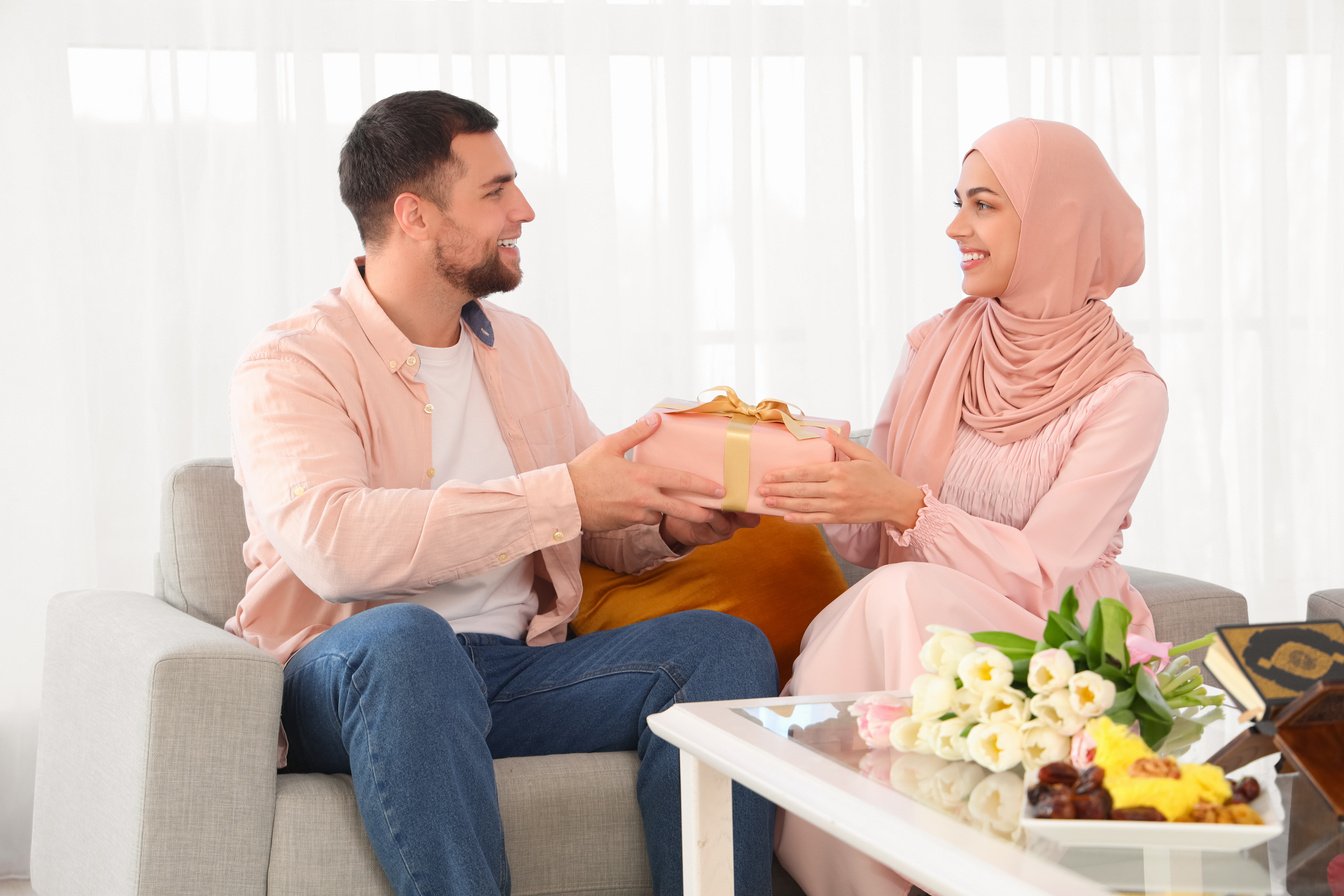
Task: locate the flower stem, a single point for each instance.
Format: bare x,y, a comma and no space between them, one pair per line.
1191,645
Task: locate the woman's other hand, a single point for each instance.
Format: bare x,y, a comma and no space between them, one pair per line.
857,488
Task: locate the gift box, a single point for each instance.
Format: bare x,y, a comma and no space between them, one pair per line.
734,444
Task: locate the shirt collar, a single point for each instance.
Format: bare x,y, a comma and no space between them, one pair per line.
389,341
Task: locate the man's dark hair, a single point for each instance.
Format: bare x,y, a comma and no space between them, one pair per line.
398,145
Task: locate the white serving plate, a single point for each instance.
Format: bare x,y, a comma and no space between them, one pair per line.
1172,835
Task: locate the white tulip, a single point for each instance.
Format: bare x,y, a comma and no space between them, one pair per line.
941,653
909,769
1042,744
997,801
904,734
985,669
1090,695
1057,712
966,704
948,743
1049,670
995,745
954,782
1008,705
931,696
926,741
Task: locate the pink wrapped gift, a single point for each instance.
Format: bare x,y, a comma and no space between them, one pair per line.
735,444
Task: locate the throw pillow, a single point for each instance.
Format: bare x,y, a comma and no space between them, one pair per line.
777,576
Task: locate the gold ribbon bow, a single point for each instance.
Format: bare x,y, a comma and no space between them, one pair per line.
737,441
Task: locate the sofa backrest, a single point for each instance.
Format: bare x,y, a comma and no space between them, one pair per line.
201,533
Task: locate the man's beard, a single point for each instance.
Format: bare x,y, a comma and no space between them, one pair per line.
488,277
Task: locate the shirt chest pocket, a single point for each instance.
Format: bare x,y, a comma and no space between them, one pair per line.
550,434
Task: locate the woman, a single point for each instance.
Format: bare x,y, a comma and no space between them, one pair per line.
1008,451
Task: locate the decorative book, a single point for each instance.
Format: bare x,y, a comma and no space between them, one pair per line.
1289,677
1265,667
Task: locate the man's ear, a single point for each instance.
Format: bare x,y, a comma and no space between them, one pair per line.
409,211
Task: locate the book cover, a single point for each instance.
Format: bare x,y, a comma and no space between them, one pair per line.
1281,660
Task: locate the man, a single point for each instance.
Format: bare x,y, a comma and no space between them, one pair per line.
420,482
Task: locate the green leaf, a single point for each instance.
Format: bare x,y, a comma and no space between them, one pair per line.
1060,629
1105,637
1121,717
1114,674
1155,716
1068,607
1123,699
1006,641
1153,728
1076,651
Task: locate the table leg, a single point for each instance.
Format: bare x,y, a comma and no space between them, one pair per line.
1166,871
706,829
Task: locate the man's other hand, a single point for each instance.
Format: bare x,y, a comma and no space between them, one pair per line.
680,533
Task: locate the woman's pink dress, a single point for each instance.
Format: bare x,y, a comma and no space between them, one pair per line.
1012,527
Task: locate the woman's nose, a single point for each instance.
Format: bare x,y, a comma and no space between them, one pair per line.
956,228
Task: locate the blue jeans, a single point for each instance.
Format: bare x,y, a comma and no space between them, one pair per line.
415,714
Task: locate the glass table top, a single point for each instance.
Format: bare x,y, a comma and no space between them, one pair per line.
1296,863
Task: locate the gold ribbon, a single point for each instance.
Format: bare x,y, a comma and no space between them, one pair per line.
737,441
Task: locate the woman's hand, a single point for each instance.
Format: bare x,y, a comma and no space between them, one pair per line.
857,488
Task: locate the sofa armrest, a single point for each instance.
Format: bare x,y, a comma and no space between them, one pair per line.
1325,605
156,752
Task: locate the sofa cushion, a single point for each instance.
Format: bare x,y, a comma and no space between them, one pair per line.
571,825
201,535
777,576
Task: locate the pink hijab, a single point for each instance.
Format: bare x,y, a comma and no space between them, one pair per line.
1008,374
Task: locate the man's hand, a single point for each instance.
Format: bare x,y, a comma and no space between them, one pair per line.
721,526
614,493
858,488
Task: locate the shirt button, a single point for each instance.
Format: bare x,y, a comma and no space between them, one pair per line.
429,474
412,360
297,491
558,535
391,365
502,558
429,409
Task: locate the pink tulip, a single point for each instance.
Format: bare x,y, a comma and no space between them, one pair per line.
875,713
1142,649
1082,749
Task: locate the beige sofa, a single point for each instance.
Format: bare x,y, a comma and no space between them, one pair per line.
156,749
1328,604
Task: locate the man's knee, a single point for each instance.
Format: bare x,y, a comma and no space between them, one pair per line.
407,640
733,650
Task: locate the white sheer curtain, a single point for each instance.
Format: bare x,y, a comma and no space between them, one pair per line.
749,192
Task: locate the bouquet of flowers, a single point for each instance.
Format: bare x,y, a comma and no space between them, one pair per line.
1002,700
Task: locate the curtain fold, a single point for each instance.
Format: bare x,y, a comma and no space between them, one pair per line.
750,192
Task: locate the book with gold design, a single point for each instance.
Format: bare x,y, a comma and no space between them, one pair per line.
1264,667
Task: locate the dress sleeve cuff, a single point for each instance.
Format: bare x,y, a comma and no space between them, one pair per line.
931,521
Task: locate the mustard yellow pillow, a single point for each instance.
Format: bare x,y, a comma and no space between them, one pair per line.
777,576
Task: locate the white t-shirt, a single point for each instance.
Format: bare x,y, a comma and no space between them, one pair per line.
467,447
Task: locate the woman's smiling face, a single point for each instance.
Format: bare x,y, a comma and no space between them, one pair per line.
986,230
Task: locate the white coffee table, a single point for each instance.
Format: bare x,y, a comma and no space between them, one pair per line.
803,754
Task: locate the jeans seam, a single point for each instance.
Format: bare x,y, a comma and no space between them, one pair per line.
397,839
668,669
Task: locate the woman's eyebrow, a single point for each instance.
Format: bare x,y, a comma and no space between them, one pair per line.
972,191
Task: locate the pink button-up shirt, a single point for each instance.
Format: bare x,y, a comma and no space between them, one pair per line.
331,445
